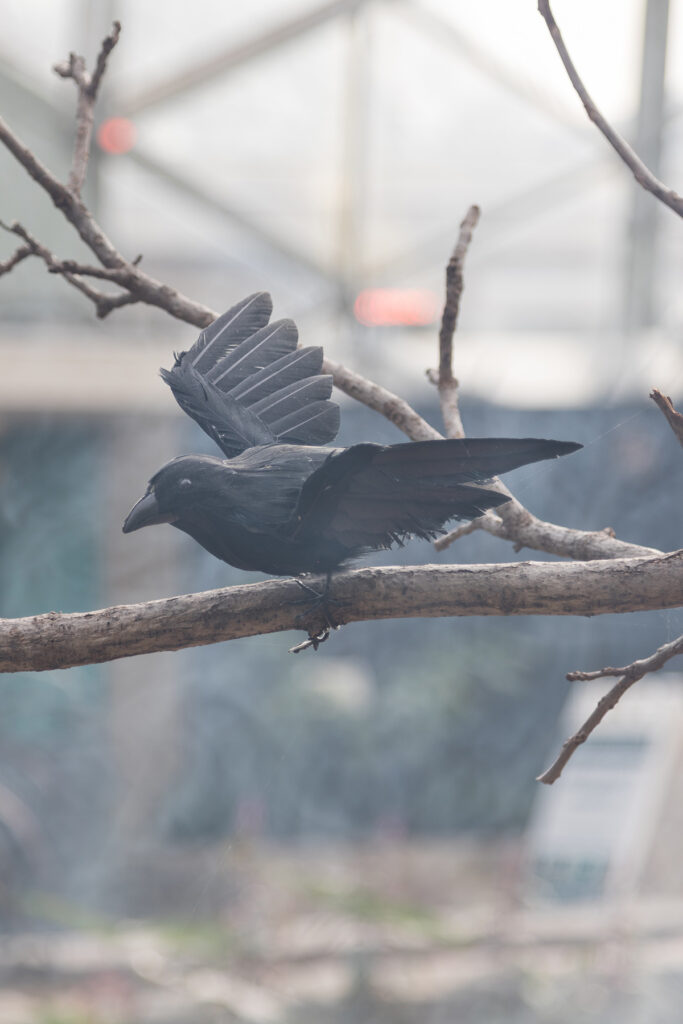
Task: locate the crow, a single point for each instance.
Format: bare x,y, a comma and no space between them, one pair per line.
283,502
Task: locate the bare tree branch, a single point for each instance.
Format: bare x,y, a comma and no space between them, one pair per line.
523,588
108,44
103,302
88,87
455,282
674,418
515,523
641,172
143,287
511,521
383,401
630,674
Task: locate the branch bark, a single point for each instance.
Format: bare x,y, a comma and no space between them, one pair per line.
57,640
640,171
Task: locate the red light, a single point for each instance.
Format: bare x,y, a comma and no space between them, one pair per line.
116,135
394,307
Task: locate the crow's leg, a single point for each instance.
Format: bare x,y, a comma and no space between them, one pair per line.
320,601
317,602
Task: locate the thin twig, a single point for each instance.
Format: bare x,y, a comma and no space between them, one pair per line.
455,281
21,253
115,274
108,44
641,172
630,674
674,418
88,87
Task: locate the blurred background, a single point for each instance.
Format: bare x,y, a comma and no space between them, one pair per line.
232,834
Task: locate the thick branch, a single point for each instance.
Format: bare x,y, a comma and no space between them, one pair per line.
630,674
641,172
674,418
525,588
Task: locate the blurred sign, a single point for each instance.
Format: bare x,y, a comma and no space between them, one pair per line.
396,307
592,831
116,135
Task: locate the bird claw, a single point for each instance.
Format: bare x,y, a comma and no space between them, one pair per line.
314,640
323,602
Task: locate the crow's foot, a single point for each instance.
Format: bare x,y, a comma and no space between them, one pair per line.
314,641
320,603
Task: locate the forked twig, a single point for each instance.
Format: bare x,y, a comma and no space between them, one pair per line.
88,86
103,302
629,675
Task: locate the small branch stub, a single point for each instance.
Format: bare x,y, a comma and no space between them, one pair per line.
673,417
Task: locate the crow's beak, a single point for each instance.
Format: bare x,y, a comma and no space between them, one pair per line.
145,513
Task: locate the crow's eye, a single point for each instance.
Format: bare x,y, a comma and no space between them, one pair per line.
185,482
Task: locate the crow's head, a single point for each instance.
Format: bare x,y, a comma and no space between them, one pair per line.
179,487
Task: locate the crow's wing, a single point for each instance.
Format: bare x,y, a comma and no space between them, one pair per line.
246,383
370,496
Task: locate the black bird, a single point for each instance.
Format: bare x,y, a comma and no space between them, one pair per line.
283,504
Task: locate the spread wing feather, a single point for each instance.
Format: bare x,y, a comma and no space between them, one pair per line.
260,349
302,363
370,496
227,331
232,426
315,423
246,384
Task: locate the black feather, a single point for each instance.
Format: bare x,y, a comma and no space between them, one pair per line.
229,330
